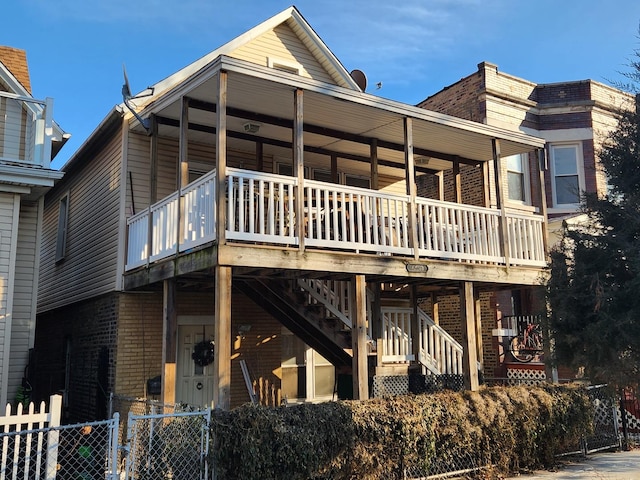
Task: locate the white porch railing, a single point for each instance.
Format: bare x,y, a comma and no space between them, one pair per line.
261,209
397,346
439,352
26,129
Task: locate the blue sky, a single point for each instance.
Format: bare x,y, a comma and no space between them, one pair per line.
76,48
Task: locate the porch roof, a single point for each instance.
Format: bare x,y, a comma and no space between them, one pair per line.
336,119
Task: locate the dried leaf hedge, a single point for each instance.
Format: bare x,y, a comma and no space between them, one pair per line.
510,428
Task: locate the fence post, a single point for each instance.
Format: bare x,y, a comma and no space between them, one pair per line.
55,409
113,444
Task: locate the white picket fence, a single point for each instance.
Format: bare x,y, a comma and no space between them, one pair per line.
19,453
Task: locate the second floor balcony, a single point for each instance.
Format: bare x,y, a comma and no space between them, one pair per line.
271,209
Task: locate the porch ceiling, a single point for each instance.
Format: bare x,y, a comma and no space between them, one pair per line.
256,92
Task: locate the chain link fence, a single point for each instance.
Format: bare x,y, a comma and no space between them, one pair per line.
68,452
172,446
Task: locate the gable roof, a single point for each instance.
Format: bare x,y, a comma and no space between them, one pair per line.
294,19
15,61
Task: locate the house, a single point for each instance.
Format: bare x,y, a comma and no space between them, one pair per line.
574,118
29,140
250,229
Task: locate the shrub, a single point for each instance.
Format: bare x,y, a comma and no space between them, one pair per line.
509,428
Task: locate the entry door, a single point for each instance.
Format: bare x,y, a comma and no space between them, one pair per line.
194,383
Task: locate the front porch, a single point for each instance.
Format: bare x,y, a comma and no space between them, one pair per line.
261,209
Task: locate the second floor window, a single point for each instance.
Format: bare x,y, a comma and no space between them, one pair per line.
565,175
517,181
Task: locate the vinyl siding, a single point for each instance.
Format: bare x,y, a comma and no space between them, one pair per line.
283,44
7,220
92,231
24,295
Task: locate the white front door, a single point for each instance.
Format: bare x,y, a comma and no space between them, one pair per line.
194,383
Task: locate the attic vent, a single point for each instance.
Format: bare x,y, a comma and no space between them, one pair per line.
284,65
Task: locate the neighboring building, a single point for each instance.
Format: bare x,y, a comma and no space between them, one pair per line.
29,139
260,197
574,118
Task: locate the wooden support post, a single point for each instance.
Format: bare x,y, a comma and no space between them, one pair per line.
542,166
260,156
298,162
222,339
435,308
478,317
169,341
504,232
410,178
373,153
469,357
221,158
153,156
457,183
359,340
415,322
376,312
335,177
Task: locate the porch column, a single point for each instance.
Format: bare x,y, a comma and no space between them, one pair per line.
457,183
183,167
415,323
373,153
542,166
504,234
298,162
221,158
478,318
469,356
360,366
222,339
410,178
169,335
153,154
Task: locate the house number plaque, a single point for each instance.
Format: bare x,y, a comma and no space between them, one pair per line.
416,268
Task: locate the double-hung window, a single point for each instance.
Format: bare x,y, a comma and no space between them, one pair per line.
566,177
517,178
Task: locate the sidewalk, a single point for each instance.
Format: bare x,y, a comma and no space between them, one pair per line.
601,466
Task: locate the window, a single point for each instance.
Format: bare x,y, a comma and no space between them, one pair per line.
61,240
566,181
517,178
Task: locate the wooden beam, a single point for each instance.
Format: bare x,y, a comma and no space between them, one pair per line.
288,145
325,131
410,179
221,158
169,336
504,233
457,184
222,339
359,339
373,153
298,161
469,356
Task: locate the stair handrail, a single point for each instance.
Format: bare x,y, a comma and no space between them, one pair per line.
439,352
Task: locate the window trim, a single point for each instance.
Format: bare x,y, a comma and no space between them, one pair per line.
62,231
565,207
526,179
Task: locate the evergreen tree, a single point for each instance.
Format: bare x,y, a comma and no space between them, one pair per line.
594,289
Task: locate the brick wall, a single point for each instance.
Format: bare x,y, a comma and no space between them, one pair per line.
89,329
462,99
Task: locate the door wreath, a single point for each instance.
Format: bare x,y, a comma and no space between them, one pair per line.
203,353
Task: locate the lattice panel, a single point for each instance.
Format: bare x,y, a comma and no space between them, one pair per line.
388,385
523,376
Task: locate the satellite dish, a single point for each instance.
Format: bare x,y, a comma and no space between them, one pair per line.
126,88
360,78
126,96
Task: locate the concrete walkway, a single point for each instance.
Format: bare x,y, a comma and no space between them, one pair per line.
601,466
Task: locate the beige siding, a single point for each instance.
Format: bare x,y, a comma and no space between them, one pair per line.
24,296
6,235
282,44
92,233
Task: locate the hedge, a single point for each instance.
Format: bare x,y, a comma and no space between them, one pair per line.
509,428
